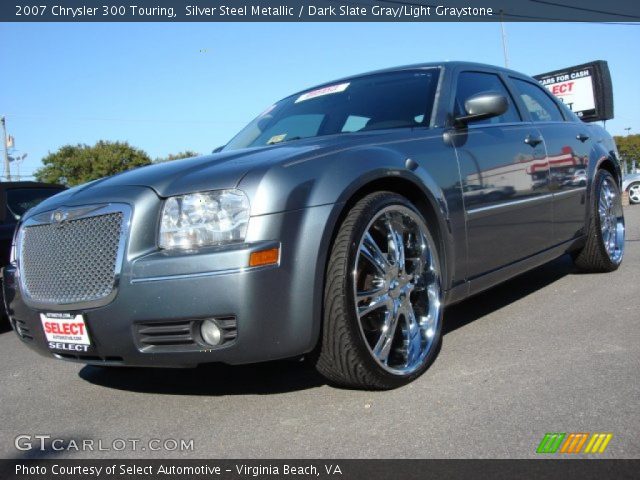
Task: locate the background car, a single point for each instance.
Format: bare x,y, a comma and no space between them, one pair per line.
579,178
15,199
631,184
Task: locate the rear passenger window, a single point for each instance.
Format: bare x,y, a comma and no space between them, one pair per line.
540,106
472,83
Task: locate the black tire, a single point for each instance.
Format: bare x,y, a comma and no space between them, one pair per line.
631,200
343,357
594,256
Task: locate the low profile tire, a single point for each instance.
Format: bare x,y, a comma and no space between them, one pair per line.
634,193
604,248
383,297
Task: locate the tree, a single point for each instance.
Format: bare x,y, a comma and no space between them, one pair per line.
75,164
177,156
629,149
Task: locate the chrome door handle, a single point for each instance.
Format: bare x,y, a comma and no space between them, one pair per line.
533,141
582,137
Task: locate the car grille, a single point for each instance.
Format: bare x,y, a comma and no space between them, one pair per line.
71,262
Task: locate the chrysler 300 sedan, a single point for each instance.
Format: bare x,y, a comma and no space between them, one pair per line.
337,225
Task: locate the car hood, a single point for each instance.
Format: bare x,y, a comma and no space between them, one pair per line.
219,170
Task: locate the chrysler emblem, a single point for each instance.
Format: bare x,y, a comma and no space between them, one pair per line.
59,216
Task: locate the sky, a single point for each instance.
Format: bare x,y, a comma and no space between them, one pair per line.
169,87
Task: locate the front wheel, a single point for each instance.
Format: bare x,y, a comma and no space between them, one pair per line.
383,296
604,248
634,193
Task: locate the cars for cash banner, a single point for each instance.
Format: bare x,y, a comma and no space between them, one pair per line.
586,89
317,11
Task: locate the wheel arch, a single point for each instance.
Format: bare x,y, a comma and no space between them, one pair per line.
430,204
610,166
600,159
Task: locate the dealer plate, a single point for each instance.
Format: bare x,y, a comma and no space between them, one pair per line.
65,331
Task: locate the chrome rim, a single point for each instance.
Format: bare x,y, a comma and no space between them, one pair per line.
611,220
634,193
397,290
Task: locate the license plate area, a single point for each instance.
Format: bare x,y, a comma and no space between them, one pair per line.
66,332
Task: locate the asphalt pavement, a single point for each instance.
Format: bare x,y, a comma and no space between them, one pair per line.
553,350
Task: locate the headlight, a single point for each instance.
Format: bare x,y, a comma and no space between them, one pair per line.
207,218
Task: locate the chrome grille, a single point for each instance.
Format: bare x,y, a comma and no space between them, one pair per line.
73,261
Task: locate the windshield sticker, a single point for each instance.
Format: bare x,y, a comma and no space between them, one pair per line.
322,91
276,139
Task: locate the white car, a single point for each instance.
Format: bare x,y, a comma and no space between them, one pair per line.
631,184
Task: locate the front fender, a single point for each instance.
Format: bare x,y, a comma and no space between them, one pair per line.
336,178
319,180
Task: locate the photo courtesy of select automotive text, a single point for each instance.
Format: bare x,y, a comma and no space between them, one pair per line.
335,239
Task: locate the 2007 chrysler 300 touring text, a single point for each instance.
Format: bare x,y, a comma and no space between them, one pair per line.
338,224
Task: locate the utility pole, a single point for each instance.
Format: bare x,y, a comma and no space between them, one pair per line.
504,41
7,168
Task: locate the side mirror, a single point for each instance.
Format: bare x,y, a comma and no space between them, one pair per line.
218,149
483,105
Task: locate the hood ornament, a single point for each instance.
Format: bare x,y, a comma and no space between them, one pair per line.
59,216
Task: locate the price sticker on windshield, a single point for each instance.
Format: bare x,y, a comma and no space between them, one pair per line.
322,91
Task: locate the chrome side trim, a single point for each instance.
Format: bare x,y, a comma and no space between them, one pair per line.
480,211
76,213
573,191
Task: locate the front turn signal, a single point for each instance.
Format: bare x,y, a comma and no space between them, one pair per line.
264,257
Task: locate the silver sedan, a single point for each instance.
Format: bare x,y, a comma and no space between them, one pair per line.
631,184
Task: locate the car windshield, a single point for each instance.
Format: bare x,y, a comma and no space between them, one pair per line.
19,200
374,102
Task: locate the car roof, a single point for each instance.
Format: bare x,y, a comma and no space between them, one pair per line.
415,66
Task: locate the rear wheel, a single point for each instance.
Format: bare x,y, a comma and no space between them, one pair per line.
383,298
604,249
634,193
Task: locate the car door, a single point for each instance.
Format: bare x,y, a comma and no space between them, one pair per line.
568,147
504,179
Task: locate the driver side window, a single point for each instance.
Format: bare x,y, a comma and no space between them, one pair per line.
472,83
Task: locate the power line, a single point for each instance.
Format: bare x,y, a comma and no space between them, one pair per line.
584,9
512,15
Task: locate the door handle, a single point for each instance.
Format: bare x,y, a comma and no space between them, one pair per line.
582,137
533,141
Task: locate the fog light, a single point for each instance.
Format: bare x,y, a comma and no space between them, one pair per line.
211,332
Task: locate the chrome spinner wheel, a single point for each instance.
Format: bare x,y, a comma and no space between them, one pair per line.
611,220
397,289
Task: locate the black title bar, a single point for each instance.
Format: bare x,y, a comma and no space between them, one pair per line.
319,11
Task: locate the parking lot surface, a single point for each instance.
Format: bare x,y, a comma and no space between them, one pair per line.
553,350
